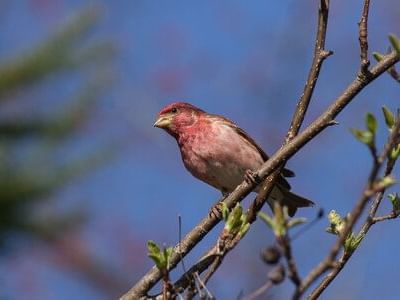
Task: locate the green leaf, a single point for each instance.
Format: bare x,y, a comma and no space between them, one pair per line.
236,212
243,230
156,255
387,181
225,211
296,222
168,252
234,220
153,248
363,136
389,117
157,260
278,223
394,198
267,219
352,242
394,154
377,56
395,43
167,255
371,123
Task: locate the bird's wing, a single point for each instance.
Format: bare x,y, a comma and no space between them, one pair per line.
285,172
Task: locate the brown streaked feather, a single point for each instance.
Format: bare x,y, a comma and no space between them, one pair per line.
285,172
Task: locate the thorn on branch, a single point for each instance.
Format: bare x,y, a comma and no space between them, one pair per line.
333,123
325,53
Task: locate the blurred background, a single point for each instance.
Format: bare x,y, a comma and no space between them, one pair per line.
85,179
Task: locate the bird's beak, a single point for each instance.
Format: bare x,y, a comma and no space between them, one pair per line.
163,122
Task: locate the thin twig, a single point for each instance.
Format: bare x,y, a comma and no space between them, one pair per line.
258,292
179,243
390,216
166,289
199,267
293,274
392,70
215,265
203,286
363,38
329,262
211,260
395,75
320,54
226,242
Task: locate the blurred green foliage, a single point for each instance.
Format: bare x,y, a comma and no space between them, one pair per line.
30,169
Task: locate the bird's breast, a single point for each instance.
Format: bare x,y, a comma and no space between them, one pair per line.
218,156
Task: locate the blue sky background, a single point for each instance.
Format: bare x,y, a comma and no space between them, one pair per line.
247,61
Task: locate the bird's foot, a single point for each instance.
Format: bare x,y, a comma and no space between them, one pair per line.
251,177
216,210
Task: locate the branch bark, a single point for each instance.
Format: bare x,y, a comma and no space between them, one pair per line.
363,38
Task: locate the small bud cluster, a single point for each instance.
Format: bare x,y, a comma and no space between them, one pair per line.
160,257
337,226
235,221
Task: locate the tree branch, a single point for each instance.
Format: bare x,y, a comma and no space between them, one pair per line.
329,262
390,216
395,75
270,171
363,38
320,54
258,292
196,234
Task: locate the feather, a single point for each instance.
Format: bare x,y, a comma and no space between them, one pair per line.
285,172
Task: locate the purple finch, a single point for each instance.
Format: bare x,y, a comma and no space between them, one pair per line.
218,152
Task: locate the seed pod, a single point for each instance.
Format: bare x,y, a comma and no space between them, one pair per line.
277,274
271,255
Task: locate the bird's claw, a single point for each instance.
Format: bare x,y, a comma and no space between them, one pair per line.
216,210
251,177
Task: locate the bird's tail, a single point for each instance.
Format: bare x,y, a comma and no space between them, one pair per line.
289,199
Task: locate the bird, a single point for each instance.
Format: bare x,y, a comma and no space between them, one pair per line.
218,152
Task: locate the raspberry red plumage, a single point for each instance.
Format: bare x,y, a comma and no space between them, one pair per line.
218,152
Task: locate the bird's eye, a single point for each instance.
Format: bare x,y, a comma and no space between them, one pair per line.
174,110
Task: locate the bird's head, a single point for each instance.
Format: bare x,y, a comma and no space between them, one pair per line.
175,117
